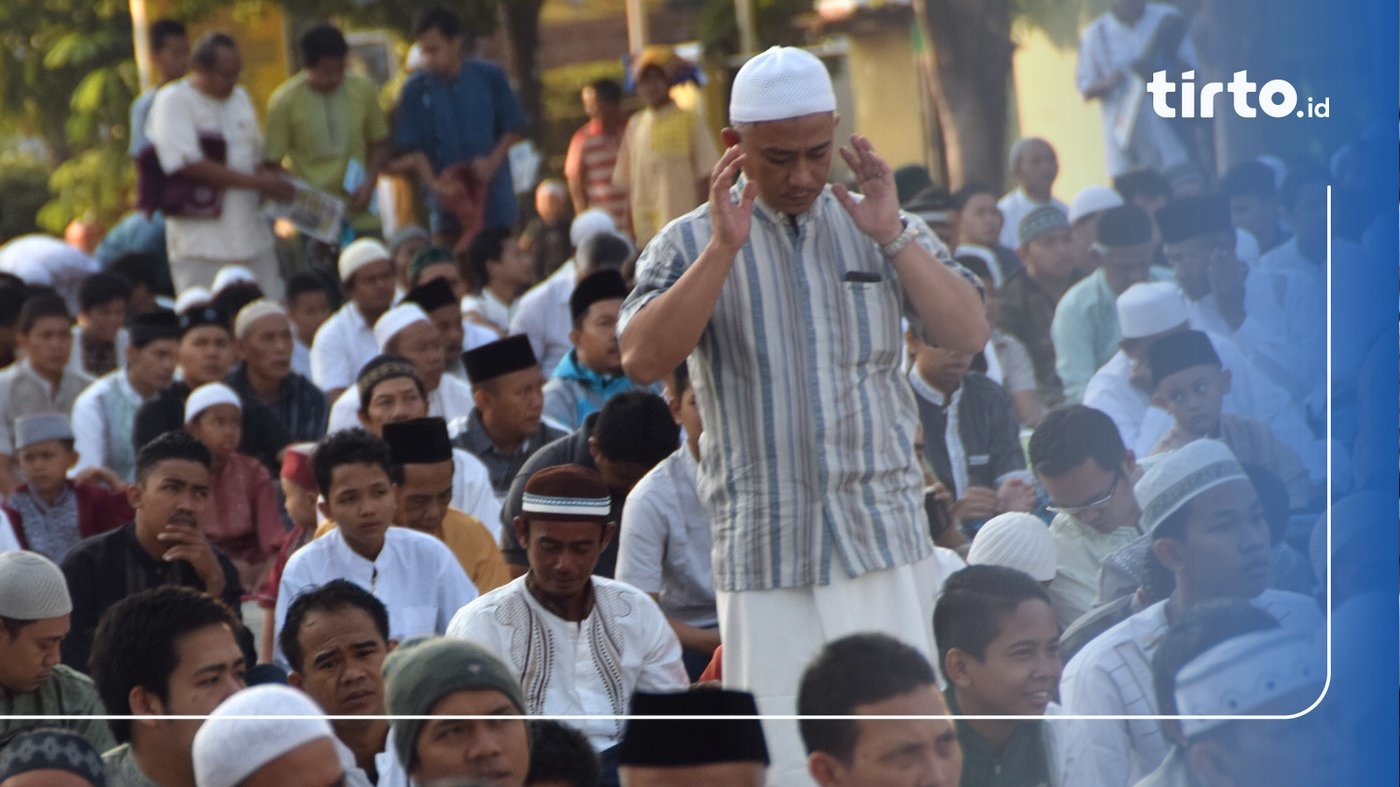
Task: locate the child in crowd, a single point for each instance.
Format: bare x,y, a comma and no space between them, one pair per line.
50,513
243,520
299,494
99,340
1189,382
308,305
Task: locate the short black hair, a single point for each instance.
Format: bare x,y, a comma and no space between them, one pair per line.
850,672
320,42
603,251
965,194
135,644
488,246
439,19
335,595
234,297
39,306
162,30
607,90
1069,435
100,289
636,426
174,444
560,753
350,447
1300,176
302,283
12,299
975,265
973,604
138,268
680,380
1199,629
13,626
1142,183
1273,498
205,54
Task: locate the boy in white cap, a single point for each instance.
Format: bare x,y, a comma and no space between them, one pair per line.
243,519
34,619
1208,529
267,752
1034,166
264,342
346,340
809,547
1018,541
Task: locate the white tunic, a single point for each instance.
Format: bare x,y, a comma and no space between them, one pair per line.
1112,675
1014,207
543,315
624,646
301,358
344,343
90,419
415,575
386,763
8,541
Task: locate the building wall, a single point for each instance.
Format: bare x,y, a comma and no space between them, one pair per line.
1049,105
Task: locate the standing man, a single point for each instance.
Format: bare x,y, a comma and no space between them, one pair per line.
593,152
458,110
204,130
325,122
812,540
170,52
1034,165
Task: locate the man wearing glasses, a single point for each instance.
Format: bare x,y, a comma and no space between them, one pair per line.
1080,459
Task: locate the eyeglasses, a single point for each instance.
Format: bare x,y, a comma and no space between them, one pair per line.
1093,505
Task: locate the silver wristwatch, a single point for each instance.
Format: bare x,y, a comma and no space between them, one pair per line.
909,234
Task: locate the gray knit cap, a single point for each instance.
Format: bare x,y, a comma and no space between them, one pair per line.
1038,222
32,587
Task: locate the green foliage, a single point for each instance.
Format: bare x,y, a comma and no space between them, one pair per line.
1060,20
773,25
24,180
478,16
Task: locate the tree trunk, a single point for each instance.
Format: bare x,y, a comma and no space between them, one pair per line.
521,20
970,65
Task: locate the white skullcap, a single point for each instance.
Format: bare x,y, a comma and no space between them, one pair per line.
32,587
589,223
230,275
1018,541
784,82
986,255
359,254
395,320
253,312
229,750
1091,200
189,299
1180,476
208,395
1243,674
1150,308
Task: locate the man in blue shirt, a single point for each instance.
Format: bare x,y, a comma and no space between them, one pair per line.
457,110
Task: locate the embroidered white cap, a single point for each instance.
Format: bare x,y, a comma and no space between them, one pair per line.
1243,674
358,254
1091,200
1150,308
395,320
1180,476
784,82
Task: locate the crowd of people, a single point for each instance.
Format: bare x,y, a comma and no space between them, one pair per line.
706,437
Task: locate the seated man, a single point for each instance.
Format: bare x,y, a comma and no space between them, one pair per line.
591,371
421,449
412,573
346,341
264,341
876,675
448,677
1029,297
266,752
164,545
34,610
998,643
1209,531
164,651
586,643
438,301
502,271
729,752
335,640
308,306
665,538
505,428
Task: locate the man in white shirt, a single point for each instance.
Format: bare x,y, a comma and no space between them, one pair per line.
1209,530
1034,166
345,342
190,120
413,574
580,644
502,269
104,413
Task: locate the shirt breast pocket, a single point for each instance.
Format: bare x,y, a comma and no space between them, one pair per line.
870,313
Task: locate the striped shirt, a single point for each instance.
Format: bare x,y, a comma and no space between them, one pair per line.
591,159
807,455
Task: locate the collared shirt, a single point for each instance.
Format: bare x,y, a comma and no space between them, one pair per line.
469,433
1085,329
50,529
65,692
123,770
460,118
1014,370
416,577
590,161
106,568
9,542
981,441
1014,206
1173,772
344,343
491,308
1253,444
543,316
1026,313
243,520
593,666
807,455
665,153
471,543
1022,760
1079,550
665,542
387,768
24,392
103,417
1112,676
299,404
452,397
575,391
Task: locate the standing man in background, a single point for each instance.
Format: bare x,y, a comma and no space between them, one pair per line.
170,53
593,153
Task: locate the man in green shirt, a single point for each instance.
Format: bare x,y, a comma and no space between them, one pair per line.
323,122
999,644
34,609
